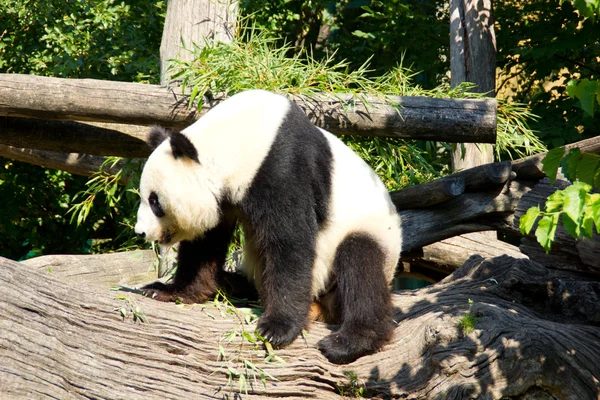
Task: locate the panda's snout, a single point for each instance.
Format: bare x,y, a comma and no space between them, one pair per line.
139,231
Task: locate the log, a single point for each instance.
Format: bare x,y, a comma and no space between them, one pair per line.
449,254
102,270
441,190
77,164
471,212
65,339
74,137
450,120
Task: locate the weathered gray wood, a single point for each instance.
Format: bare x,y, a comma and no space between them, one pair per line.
194,21
566,252
471,212
451,120
63,339
77,164
74,137
105,270
453,252
472,59
474,179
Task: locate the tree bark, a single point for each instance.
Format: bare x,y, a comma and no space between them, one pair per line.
191,22
68,339
29,96
472,59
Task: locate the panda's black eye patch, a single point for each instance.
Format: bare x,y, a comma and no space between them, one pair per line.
155,205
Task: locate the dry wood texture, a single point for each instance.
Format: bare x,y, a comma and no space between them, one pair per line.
29,96
192,22
472,59
67,339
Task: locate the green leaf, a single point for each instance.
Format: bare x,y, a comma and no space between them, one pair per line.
555,202
593,204
586,168
587,225
551,162
528,220
586,92
574,199
546,231
569,164
571,227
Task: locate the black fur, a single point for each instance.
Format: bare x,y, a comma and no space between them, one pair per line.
157,135
199,266
155,205
282,212
363,300
182,147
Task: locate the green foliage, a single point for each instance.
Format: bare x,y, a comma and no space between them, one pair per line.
359,30
111,192
587,8
82,39
415,31
575,206
238,369
101,39
33,211
353,388
542,45
468,321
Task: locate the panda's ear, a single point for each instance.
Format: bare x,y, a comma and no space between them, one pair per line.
182,147
157,135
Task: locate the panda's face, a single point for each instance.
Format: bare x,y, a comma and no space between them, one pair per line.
178,197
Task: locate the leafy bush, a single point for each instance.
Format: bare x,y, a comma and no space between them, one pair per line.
542,45
82,39
76,39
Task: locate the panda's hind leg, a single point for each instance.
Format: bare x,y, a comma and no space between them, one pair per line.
364,300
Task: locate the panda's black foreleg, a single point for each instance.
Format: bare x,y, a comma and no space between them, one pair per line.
286,289
364,297
199,265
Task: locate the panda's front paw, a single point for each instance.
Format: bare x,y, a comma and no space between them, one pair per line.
279,331
158,291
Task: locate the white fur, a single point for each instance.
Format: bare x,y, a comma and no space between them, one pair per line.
360,203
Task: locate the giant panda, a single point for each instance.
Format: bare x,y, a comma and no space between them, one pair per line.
319,225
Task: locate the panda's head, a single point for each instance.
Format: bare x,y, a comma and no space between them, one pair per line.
179,197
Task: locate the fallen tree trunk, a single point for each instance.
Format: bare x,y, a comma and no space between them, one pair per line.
436,261
450,120
64,338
